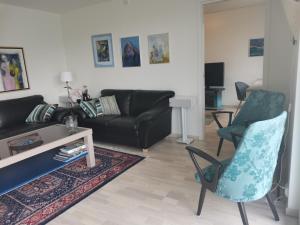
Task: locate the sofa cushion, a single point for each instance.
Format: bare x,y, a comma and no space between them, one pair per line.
99,123
122,126
89,108
143,100
41,113
109,105
15,111
23,128
123,98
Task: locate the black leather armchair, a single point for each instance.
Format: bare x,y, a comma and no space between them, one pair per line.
145,118
13,113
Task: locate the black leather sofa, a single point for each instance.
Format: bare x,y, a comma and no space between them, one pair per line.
145,118
14,112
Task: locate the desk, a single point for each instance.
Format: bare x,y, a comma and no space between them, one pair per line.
184,103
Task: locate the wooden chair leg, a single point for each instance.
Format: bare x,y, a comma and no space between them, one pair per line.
220,146
272,207
238,108
201,200
277,175
243,213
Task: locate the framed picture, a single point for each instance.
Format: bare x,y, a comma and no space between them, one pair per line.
158,47
13,69
256,47
103,50
131,51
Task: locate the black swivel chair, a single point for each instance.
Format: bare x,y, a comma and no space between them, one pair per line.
241,89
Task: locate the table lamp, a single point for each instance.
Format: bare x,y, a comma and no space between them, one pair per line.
67,77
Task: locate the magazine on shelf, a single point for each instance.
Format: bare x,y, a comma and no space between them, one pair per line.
70,152
75,147
68,159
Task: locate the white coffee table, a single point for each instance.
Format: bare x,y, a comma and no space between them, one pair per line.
52,137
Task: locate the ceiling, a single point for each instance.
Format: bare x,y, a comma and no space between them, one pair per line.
212,6
53,6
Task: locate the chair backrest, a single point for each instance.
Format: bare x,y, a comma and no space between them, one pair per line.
260,105
249,176
241,89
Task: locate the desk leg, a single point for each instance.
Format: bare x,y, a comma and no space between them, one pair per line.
90,158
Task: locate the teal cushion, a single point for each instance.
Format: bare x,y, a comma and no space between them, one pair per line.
89,108
41,113
99,109
209,172
226,131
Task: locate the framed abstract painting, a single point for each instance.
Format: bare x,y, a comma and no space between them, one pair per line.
256,47
158,45
130,47
13,69
103,50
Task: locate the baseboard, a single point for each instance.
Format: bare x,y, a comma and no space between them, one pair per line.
174,135
292,212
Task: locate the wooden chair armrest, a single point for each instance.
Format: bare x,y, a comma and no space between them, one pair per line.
219,167
214,114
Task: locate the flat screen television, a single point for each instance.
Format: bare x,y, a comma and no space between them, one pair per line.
214,74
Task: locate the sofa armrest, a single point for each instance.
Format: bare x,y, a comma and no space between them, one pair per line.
153,125
149,115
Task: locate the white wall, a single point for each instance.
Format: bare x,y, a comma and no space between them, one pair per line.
278,50
280,74
294,178
182,19
292,11
227,35
40,35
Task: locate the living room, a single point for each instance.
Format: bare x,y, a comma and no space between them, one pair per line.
158,186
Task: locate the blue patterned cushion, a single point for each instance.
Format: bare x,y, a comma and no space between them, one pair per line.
41,113
249,175
209,172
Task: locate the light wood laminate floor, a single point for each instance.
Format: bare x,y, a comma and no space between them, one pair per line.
161,190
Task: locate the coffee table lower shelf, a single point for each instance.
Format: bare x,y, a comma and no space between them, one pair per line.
26,171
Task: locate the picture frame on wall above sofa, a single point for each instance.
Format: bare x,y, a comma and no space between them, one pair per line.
103,50
130,47
158,47
256,47
13,70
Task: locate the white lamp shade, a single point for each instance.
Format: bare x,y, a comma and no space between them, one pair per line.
66,77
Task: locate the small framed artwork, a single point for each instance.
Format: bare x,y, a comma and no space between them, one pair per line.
131,51
13,69
158,47
103,50
256,47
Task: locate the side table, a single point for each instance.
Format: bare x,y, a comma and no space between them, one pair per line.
184,103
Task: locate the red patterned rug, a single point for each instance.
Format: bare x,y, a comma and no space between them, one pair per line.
45,198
